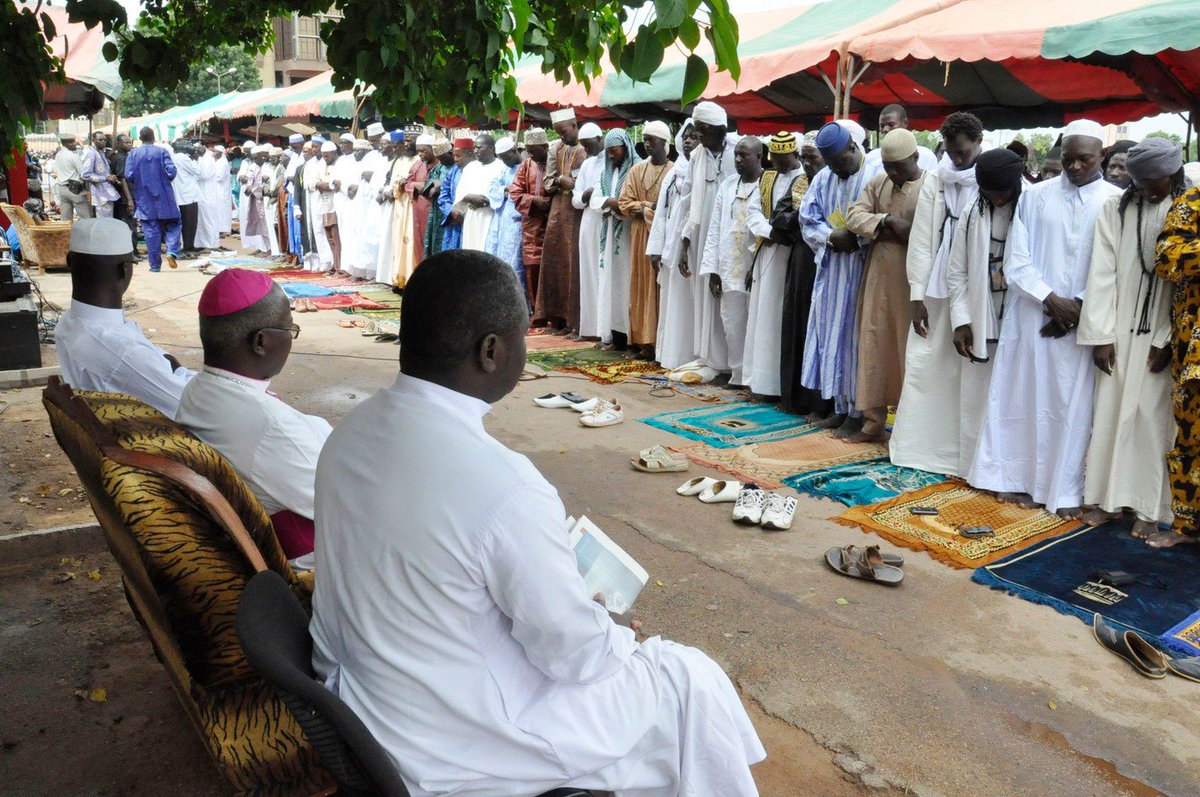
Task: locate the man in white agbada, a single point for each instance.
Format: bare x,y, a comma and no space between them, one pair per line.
590,326
975,281
455,623
676,300
1127,318
764,319
711,164
471,193
225,180
1039,413
98,348
729,248
389,203
928,425
375,164
890,118
351,203
208,218
251,243
315,172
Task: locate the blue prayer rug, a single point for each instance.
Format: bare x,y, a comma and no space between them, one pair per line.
1061,572
732,425
861,483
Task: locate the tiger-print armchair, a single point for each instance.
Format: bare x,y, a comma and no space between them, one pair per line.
188,535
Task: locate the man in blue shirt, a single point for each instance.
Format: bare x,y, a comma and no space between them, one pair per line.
150,170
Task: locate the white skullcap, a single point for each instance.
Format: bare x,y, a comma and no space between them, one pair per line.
590,130
248,145
328,146
710,113
425,140
295,138
857,133
346,138
261,149
562,115
657,130
101,237
1085,127
897,145
375,129
362,143
220,148
504,145
276,151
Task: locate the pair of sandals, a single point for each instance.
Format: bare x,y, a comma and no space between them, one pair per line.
1141,655
657,459
306,306
710,490
869,564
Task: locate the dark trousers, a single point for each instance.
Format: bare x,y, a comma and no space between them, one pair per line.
190,215
122,212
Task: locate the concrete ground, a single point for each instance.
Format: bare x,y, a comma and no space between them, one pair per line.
938,687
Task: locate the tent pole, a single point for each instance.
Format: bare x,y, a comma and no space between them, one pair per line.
116,116
851,81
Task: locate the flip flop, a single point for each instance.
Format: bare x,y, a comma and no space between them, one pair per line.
658,460
868,565
893,559
1141,655
1185,668
696,486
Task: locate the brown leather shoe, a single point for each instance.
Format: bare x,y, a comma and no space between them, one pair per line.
1144,657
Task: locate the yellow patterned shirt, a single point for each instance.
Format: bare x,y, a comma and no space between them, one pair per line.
1179,262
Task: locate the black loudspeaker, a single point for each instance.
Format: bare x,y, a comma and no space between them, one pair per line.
19,334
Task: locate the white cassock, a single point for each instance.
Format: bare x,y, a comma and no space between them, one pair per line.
273,447
98,349
676,298
1039,409
707,171
928,428
249,242
1134,426
350,212
728,253
315,170
764,321
208,216
978,296
590,325
456,625
477,222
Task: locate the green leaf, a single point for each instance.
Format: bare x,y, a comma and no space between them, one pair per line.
689,34
647,54
48,27
671,13
521,14
724,37
110,51
695,79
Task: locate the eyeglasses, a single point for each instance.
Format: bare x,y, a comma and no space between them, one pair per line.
293,330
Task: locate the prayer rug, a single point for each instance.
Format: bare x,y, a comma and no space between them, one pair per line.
341,301
768,464
240,261
862,482
732,425
1163,607
572,359
553,343
958,506
381,295
710,394
621,371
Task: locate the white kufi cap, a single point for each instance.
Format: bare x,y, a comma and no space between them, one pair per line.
504,145
346,138
562,115
295,138
362,143
261,149
329,146
425,140
590,130
375,129
1085,127
101,237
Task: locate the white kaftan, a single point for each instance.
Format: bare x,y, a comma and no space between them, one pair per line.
708,170
728,253
315,170
1039,409
590,315
208,216
676,344
616,265
251,243
1134,427
477,222
455,624
351,215
225,181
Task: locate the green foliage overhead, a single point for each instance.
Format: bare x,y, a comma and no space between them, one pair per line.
452,57
28,65
138,99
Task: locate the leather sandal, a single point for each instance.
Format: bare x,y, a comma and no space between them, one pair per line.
868,565
1141,655
893,559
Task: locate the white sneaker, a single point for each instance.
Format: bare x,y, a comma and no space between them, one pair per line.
605,413
749,506
779,512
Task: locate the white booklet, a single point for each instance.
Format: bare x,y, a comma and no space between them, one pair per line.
606,569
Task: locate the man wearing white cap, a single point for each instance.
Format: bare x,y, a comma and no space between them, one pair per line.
711,164
291,180
349,193
414,186
375,133
225,181
1039,414
586,283
251,242
98,349
390,236
557,300
254,234
639,198
471,194
319,209
208,213
186,186
504,237
272,182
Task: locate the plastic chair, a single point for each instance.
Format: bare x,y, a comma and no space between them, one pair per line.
273,629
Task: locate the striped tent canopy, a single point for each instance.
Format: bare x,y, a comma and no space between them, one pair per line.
177,121
90,78
1014,62
315,96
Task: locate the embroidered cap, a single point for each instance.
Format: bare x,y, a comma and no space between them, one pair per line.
783,143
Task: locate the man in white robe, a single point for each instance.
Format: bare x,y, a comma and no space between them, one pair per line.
676,344
384,207
315,172
250,243
208,219
729,249
454,622
225,181
928,426
350,203
764,320
1039,413
471,193
615,250
272,181
592,141
1126,316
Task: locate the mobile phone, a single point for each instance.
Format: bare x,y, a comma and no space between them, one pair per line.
924,510
976,531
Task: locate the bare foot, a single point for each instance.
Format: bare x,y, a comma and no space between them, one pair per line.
1143,529
1098,516
1169,539
869,434
851,426
1070,512
830,422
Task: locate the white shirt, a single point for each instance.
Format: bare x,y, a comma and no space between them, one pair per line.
187,180
449,613
272,446
98,349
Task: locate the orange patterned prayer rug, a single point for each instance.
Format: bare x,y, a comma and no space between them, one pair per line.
612,373
958,506
768,464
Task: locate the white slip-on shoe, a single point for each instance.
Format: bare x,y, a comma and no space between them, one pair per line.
779,512
749,506
560,400
587,405
696,486
725,492
605,413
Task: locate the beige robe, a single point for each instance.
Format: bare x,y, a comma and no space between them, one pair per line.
639,196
